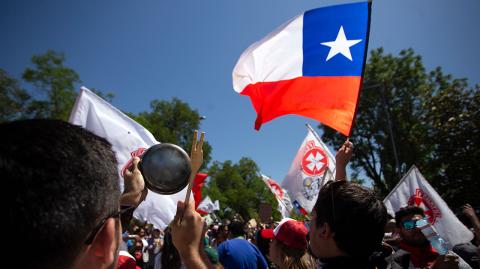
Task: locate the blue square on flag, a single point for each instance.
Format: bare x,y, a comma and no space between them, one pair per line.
334,40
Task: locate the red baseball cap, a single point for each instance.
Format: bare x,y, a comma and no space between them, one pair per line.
290,232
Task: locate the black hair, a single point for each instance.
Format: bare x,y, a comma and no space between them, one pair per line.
263,244
354,214
170,256
64,181
236,228
407,211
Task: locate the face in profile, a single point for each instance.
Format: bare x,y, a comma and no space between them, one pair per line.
410,233
315,244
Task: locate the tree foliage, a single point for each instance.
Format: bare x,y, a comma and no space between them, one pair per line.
13,99
173,122
239,187
57,84
428,118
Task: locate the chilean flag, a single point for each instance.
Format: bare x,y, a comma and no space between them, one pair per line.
300,208
311,66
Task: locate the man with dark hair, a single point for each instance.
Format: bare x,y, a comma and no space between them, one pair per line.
236,229
415,250
237,252
347,222
407,211
66,192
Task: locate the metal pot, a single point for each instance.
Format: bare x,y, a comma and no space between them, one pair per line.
165,168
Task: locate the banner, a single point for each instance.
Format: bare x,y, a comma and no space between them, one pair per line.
312,167
284,203
414,190
206,206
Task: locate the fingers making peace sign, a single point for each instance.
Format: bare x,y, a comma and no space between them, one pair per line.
196,159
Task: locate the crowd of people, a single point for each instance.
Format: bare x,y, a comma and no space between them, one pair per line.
69,207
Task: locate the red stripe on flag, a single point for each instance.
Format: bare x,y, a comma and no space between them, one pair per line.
330,100
303,211
201,212
197,187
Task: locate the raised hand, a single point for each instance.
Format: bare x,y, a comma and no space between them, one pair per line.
188,229
344,154
196,155
134,186
196,159
469,211
448,261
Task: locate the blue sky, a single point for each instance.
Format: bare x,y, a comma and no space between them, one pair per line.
145,50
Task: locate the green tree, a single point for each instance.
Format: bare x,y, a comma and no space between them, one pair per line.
239,187
105,96
427,118
173,122
13,99
453,120
57,84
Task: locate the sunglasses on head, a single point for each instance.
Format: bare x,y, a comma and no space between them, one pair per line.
410,224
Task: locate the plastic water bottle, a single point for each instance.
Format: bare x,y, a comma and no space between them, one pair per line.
431,234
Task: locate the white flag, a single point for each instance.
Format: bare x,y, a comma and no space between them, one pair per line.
128,139
216,205
312,167
284,203
414,190
207,206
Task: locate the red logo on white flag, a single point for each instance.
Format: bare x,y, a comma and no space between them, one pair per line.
275,188
421,199
315,160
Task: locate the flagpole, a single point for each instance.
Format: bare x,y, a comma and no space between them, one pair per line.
390,129
313,131
365,53
318,138
399,182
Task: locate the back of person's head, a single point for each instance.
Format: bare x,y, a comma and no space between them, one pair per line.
289,245
357,218
236,228
170,256
64,182
407,211
263,243
295,258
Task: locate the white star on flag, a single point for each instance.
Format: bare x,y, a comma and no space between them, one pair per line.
315,162
340,45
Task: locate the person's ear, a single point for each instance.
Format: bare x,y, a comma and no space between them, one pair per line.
102,250
324,230
329,233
